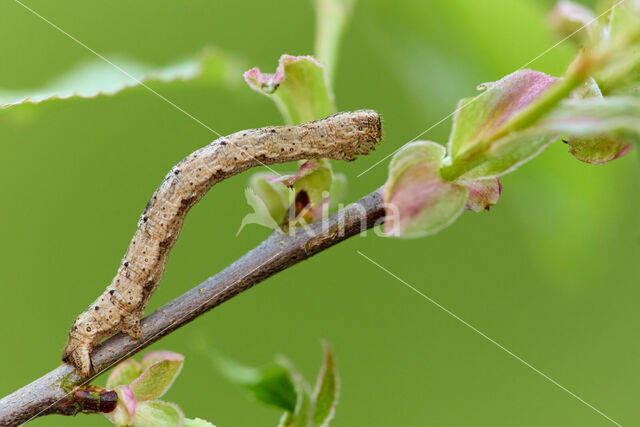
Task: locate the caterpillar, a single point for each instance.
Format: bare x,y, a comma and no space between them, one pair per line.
119,309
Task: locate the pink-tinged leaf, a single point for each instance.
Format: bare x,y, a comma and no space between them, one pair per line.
477,119
128,399
299,87
125,373
569,19
157,378
157,413
158,356
418,202
264,82
483,193
125,409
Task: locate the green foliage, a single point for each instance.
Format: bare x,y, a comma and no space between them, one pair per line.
480,119
125,373
331,19
139,385
516,118
157,378
280,385
269,199
312,187
597,129
272,384
197,422
395,15
420,201
300,88
326,391
100,78
157,413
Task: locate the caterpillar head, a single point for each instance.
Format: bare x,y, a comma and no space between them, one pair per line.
355,132
81,338
77,353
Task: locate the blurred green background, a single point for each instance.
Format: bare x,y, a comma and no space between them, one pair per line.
551,272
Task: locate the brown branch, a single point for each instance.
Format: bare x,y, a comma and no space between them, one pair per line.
53,392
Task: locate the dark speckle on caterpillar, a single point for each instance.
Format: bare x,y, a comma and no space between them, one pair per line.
341,137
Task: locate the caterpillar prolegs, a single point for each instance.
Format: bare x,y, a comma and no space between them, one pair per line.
120,307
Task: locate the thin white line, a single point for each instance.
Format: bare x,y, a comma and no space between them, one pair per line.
483,93
114,65
489,339
138,81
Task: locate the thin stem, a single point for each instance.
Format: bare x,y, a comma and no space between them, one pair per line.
50,394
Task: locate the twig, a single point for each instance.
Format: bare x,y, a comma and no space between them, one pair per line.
52,393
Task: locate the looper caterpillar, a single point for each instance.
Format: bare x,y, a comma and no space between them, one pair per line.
341,137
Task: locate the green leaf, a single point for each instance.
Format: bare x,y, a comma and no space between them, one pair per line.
275,196
269,199
299,87
157,378
331,19
595,116
507,153
338,190
125,373
302,416
301,90
325,395
616,53
197,422
597,129
418,201
157,413
97,77
272,384
311,191
260,214
598,150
